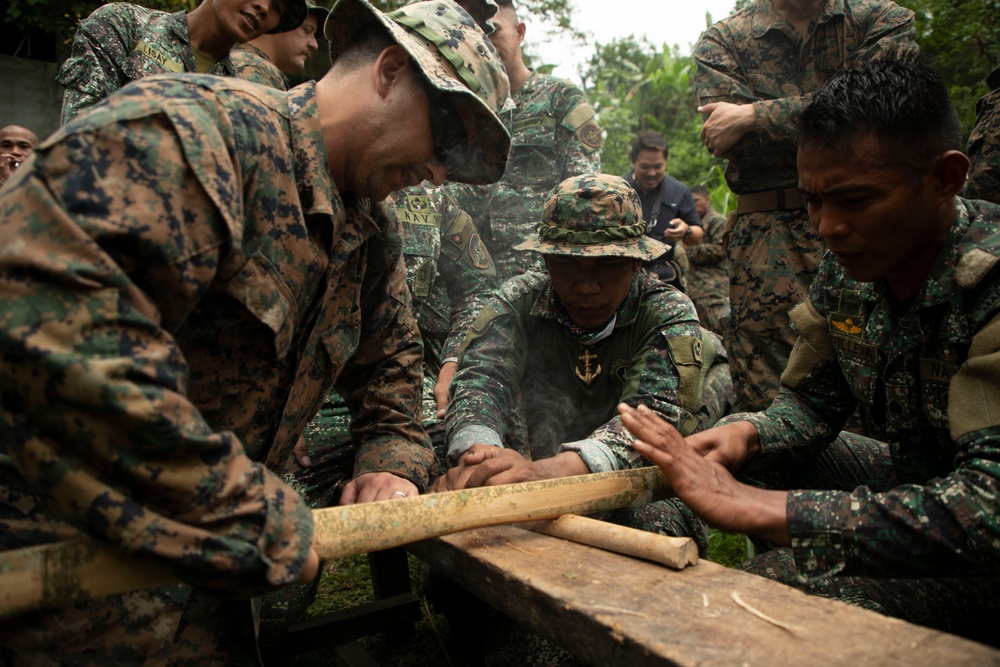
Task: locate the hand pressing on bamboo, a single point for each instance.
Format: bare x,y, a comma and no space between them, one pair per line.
703,482
371,486
488,465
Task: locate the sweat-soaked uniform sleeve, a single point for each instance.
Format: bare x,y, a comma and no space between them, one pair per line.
105,240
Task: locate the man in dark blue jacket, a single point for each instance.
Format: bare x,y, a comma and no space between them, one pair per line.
667,205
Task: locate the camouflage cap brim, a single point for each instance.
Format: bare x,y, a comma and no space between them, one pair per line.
453,53
643,247
293,16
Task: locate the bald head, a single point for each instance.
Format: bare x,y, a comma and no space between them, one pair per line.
17,142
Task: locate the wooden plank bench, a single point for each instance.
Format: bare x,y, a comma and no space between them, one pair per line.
609,609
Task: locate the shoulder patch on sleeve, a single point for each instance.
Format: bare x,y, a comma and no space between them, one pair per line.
688,354
579,116
973,267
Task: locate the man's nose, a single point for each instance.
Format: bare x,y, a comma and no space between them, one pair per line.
585,285
438,172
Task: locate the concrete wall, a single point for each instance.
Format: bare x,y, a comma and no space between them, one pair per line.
31,97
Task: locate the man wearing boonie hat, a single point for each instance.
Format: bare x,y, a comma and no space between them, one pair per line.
565,347
571,344
121,42
268,58
187,268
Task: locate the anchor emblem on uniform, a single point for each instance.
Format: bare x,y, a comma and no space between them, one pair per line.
588,374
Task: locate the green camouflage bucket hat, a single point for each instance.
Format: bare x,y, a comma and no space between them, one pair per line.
594,215
455,56
292,17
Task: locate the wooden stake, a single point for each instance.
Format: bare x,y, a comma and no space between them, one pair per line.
57,574
675,552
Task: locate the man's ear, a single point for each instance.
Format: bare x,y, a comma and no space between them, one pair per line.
390,66
521,30
949,171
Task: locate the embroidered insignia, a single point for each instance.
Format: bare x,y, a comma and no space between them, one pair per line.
422,279
698,350
588,374
150,51
846,326
478,255
590,135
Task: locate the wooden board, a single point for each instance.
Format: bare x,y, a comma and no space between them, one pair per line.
610,609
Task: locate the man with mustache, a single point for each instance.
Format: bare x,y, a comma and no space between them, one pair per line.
268,58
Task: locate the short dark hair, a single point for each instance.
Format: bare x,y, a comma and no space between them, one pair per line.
902,100
366,45
699,190
649,141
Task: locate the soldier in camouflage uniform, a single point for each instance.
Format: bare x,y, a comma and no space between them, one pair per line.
185,271
571,350
572,343
708,273
903,322
451,277
268,58
121,42
984,145
555,136
755,69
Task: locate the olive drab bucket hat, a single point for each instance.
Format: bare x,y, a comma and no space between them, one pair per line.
455,56
594,215
293,16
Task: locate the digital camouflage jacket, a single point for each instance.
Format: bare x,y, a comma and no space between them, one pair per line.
984,145
121,42
252,64
554,136
757,57
181,283
926,380
521,350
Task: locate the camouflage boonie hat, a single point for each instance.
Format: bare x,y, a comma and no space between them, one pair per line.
292,17
453,53
594,215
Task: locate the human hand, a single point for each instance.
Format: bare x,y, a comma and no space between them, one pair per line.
442,388
676,230
726,124
732,445
301,451
486,465
371,486
703,483
310,568
8,165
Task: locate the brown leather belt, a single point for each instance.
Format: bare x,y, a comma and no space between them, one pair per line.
770,200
